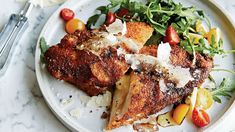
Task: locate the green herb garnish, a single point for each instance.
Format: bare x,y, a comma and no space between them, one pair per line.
225,89
44,47
160,14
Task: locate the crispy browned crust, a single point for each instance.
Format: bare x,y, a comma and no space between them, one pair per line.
139,31
91,73
144,95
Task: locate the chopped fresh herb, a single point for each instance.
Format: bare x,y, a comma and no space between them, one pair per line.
44,47
226,88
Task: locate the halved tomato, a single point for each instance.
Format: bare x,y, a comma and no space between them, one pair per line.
172,36
200,118
122,12
110,18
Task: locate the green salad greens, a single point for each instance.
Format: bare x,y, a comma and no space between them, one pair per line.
44,47
225,89
162,13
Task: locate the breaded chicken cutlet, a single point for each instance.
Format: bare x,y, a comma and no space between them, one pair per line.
94,62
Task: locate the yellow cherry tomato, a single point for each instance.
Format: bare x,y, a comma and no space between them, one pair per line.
216,33
180,112
204,99
200,28
194,38
73,25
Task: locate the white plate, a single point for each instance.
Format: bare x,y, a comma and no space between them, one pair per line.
54,90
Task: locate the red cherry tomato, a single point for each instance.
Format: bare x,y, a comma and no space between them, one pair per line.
122,12
200,118
171,36
67,14
110,18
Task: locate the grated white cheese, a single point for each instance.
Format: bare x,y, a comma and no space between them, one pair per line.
117,27
181,75
100,100
162,86
66,102
163,54
76,112
136,59
129,43
84,98
120,51
178,74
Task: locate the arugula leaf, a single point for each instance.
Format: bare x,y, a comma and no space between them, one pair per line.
92,20
204,47
44,47
225,89
162,13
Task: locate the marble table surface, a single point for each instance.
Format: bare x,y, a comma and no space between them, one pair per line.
22,107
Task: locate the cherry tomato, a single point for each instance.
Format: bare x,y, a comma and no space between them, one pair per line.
200,118
73,25
122,12
171,36
110,18
67,14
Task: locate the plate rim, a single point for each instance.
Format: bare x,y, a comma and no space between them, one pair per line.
74,127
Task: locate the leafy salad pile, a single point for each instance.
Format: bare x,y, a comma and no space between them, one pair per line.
187,21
